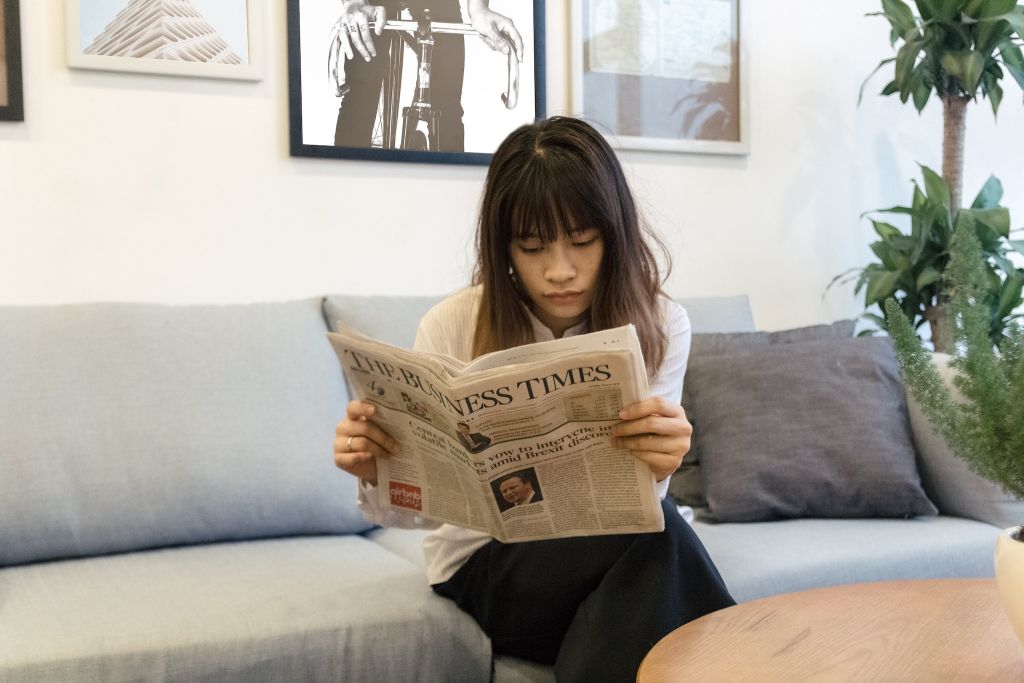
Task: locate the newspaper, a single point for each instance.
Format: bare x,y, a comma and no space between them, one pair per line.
516,443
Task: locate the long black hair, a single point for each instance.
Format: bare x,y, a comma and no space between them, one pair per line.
551,177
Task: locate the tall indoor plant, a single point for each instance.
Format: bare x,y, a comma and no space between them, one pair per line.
985,425
956,50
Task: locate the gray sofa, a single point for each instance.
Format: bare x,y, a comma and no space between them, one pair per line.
169,509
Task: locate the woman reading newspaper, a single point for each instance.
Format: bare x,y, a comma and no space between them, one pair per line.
561,251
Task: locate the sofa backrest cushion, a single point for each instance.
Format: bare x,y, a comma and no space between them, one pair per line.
391,319
719,314
394,319
130,426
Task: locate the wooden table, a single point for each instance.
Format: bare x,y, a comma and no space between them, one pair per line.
935,630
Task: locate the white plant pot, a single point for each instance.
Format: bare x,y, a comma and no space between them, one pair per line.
1010,577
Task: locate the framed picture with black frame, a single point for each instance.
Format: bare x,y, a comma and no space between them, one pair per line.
12,107
440,85
668,75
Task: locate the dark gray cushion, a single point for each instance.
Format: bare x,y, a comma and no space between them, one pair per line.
717,344
811,429
686,483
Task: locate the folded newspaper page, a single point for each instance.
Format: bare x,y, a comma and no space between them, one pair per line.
516,443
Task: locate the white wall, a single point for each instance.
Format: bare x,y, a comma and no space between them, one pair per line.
142,188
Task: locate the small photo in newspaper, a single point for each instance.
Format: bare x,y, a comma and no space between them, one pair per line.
517,489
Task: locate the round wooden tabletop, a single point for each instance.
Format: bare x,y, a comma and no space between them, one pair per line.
934,630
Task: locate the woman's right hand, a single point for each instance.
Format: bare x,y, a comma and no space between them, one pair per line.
358,442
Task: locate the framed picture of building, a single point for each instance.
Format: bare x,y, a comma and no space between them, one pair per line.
667,75
11,95
204,38
420,81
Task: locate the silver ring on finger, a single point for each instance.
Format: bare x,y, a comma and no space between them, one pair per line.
348,444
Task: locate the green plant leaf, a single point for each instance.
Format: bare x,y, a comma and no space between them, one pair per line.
998,219
926,8
988,237
906,58
935,187
1009,295
990,195
1016,21
919,202
1011,53
1017,72
921,91
1018,245
1004,264
903,244
1013,60
989,34
961,29
899,15
928,276
995,96
986,9
884,253
880,286
947,10
876,70
965,66
905,210
972,7
885,230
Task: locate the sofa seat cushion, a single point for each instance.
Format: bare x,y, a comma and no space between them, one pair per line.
765,558
309,609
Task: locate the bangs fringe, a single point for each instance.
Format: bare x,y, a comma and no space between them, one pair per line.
548,203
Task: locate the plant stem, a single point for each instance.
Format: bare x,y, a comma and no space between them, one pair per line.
938,318
954,119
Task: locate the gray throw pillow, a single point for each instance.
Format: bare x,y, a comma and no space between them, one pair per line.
811,429
685,486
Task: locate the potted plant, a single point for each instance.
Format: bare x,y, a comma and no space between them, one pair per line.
956,50
984,425
910,267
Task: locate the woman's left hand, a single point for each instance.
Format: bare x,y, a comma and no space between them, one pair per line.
656,431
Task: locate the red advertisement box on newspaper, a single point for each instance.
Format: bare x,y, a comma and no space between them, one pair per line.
406,496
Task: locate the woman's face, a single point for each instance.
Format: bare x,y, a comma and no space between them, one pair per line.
559,277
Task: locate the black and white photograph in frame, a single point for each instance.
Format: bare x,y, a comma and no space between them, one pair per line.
446,80
11,102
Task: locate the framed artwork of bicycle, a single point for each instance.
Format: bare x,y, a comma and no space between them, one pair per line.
667,75
11,106
436,81
204,38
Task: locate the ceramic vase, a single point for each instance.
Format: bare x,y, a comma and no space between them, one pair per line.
1010,577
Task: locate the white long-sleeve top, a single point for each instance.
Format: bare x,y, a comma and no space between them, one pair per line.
448,328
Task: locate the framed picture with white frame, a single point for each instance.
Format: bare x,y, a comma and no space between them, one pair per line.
665,75
203,38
